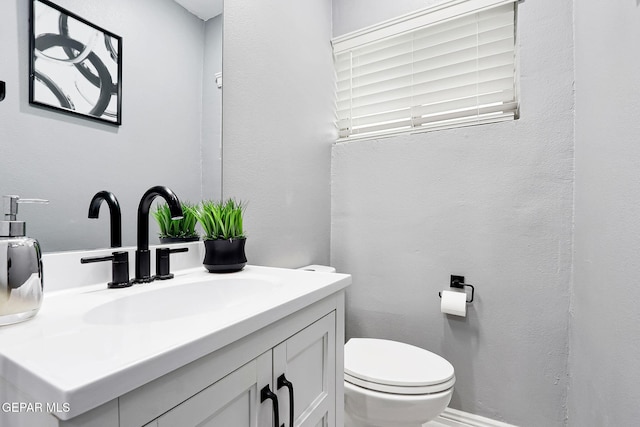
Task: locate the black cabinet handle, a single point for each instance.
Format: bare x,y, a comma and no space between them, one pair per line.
283,382
265,394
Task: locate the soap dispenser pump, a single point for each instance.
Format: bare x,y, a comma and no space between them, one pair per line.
20,266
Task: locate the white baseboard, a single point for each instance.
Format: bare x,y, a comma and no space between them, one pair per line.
455,418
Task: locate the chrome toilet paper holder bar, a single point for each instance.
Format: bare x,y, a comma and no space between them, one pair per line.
458,282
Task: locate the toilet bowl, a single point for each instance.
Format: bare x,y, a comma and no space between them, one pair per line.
393,384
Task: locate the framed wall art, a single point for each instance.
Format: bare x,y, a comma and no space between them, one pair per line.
75,66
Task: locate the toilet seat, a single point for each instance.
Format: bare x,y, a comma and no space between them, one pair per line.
395,367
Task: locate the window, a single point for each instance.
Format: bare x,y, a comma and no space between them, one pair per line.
451,65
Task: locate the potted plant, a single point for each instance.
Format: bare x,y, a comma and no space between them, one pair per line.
224,237
176,230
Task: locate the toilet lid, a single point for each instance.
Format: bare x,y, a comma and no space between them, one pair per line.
386,365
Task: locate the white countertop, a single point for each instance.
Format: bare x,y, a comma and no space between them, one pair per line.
90,344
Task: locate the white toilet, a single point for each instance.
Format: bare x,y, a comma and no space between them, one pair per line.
392,384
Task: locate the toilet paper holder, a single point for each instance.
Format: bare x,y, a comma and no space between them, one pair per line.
458,282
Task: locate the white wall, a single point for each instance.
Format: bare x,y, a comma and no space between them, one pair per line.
352,15
605,343
212,111
492,203
68,159
278,126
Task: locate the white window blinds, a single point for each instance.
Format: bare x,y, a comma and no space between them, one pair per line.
453,65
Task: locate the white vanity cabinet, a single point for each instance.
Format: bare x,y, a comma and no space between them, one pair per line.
225,389
307,362
195,351
232,401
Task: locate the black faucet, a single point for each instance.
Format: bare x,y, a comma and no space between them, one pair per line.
114,212
143,258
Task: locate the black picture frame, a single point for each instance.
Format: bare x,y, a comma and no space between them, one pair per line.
75,66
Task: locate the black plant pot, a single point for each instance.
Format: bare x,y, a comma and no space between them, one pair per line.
224,256
167,240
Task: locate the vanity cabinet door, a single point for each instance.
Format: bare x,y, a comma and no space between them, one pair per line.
224,389
232,401
308,362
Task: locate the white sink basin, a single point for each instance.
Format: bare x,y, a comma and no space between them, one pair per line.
179,301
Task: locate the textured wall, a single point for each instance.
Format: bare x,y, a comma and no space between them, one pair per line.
352,15
491,202
605,343
67,159
278,126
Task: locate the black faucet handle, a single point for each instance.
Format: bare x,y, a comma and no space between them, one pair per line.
163,269
119,268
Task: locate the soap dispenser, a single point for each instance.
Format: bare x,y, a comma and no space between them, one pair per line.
20,266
